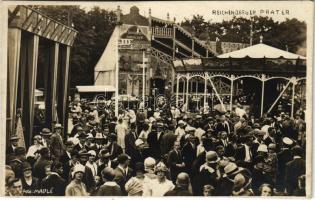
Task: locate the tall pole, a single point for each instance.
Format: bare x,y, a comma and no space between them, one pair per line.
293,94
117,73
143,76
177,90
262,95
187,91
231,95
205,92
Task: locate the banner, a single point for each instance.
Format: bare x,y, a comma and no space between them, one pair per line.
19,133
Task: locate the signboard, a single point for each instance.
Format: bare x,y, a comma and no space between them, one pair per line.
134,38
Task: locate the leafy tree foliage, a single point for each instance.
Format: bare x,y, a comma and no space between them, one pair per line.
95,28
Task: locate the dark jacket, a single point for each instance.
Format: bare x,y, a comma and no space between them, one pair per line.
155,144
121,178
55,183
283,156
131,149
173,159
39,168
57,147
294,169
189,155
178,191
109,190
28,190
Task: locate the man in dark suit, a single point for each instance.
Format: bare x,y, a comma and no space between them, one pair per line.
167,142
122,172
294,169
189,152
284,156
57,146
114,149
39,166
182,185
13,144
82,137
131,148
53,181
175,161
66,157
243,153
154,141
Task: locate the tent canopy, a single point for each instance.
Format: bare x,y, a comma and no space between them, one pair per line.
108,59
96,88
261,51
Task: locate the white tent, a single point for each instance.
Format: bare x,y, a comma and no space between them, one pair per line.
104,71
261,51
96,88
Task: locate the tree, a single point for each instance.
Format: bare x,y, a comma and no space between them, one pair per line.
95,28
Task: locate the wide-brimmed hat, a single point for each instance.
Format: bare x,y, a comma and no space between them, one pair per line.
231,169
198,117
37,137
287,141
139,142
190,129
58,126
212,157
160,124
14,137
46,132
92,153
99,136
83,152
79,128
26,166
181,122
262,148
105,152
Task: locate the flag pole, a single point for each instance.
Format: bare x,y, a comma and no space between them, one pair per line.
143,76
117,73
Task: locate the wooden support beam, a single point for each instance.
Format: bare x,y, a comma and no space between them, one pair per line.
31,73
14,39
54,54
65,63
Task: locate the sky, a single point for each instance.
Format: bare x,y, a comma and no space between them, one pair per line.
213,11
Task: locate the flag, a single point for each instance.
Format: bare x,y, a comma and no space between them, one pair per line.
19,133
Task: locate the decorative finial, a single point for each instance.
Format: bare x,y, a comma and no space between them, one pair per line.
149,11
174,19
168,16
261,39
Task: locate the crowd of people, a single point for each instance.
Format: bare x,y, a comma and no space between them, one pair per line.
161,152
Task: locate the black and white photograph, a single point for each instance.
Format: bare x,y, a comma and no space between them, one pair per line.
157,99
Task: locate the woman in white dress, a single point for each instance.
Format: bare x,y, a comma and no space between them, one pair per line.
121,130
32,154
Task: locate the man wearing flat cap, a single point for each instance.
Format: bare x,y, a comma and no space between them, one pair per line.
13,144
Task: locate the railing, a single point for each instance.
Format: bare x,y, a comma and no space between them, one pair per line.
162,32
